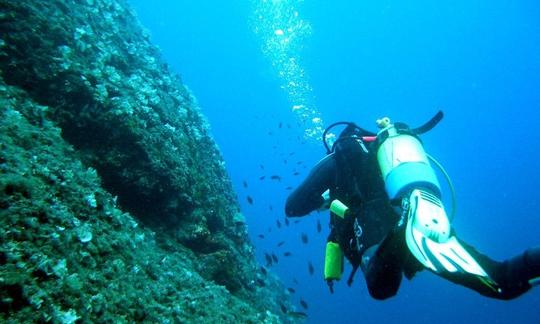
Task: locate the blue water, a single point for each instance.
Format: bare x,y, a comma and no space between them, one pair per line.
479,61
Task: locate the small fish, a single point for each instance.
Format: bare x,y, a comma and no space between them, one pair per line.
275,177
297,221
261,166
245,184
280,243
271,208
280,125
296,173
286,254
288,125
319,227
291,290
299,162
270,133
286,221
260,282
274,258
278,223
283,308
249,200
295,281
262,177
284,161
304,238
297,315
269,229
264,271
261,236
291,154
304,304
268,259
310,268
288,188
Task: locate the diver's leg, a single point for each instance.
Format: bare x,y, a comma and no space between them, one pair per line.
382,266
510,278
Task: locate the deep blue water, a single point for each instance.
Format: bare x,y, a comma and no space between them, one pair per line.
479,61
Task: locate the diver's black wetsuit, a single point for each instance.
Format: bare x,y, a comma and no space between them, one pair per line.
354,179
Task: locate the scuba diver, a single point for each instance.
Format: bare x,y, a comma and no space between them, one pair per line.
387,217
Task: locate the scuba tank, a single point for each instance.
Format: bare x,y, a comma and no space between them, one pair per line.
403,162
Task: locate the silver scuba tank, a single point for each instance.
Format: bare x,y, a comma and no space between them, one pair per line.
403,162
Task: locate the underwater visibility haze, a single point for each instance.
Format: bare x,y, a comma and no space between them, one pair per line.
150,184
270,74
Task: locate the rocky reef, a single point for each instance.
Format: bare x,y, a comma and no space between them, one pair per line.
115,205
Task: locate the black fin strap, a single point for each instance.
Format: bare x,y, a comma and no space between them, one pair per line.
430,124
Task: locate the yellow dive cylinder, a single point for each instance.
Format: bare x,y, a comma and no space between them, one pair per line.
404,163
333,261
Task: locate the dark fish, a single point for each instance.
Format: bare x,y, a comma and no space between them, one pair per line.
262,177
310,268
274,258
288,125
286,254
264,271
275,177
268,259
297,315
295,281
280,125
288,188
297,221
291,154
291,290
260,282
278,223
319,227
269,229
303,303
270,133
304,238
280,243
299,162
296,173
286,221
262,167
245,184
261,236
249,200
283,308
285,161
270,207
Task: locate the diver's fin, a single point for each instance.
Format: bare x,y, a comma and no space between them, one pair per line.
429,238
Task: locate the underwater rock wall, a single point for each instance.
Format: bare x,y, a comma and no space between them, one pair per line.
114,199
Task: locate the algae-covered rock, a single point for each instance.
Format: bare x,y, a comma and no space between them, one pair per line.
114,201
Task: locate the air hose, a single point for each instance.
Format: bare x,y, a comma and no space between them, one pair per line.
450,185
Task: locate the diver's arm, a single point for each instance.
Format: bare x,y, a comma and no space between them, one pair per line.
308,196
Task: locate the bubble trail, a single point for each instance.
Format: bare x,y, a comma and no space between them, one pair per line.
283,33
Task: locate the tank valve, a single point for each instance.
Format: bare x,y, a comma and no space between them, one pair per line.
383,122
